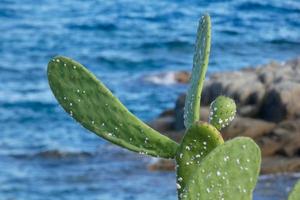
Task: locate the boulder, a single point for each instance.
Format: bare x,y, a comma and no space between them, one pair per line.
287,135
163,124
268,105
247,127
280,164
162,165
243,86
281,102
182,77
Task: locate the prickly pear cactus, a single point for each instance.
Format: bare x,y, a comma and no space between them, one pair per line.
207,168
222,112
295,193
88,101
200,63
200,139
228,172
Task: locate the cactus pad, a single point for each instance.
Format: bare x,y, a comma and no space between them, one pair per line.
200,139
88,101
222,112
200,63
228,172
295,193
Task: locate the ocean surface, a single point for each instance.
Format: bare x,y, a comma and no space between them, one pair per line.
45,155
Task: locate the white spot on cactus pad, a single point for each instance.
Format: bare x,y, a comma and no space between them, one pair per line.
217,174
109,134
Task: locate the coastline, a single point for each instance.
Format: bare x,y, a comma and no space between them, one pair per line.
267,98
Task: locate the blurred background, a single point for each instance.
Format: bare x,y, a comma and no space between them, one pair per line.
133,47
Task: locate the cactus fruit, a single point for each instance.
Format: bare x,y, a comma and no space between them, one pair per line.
207,168
200,63
89,102
222,112
229,171
295,193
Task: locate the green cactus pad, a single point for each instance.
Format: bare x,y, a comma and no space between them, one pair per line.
222,112
200,63
229,172
295,193
88,101
200,139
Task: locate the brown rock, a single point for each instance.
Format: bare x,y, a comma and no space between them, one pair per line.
268,146
287,134
167,113
243,86
248,127
279,164
162,165
281,102
163,123
182,77
268,100
283,140
267,73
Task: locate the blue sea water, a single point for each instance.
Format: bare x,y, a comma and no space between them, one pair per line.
45,155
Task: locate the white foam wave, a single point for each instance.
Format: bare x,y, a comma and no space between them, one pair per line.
167,78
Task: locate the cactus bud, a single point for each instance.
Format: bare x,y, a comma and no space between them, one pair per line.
222,112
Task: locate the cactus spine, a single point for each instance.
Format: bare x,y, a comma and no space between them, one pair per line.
207,168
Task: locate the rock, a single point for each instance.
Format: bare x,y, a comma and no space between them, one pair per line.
179,112
267,73
280,164
163,124
268,146
290,135
243,86
287,135
247,127
268,104
281,102
162,165
182,77
167,113
270,92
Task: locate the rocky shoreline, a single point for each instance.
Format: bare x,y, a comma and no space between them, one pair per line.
268,104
